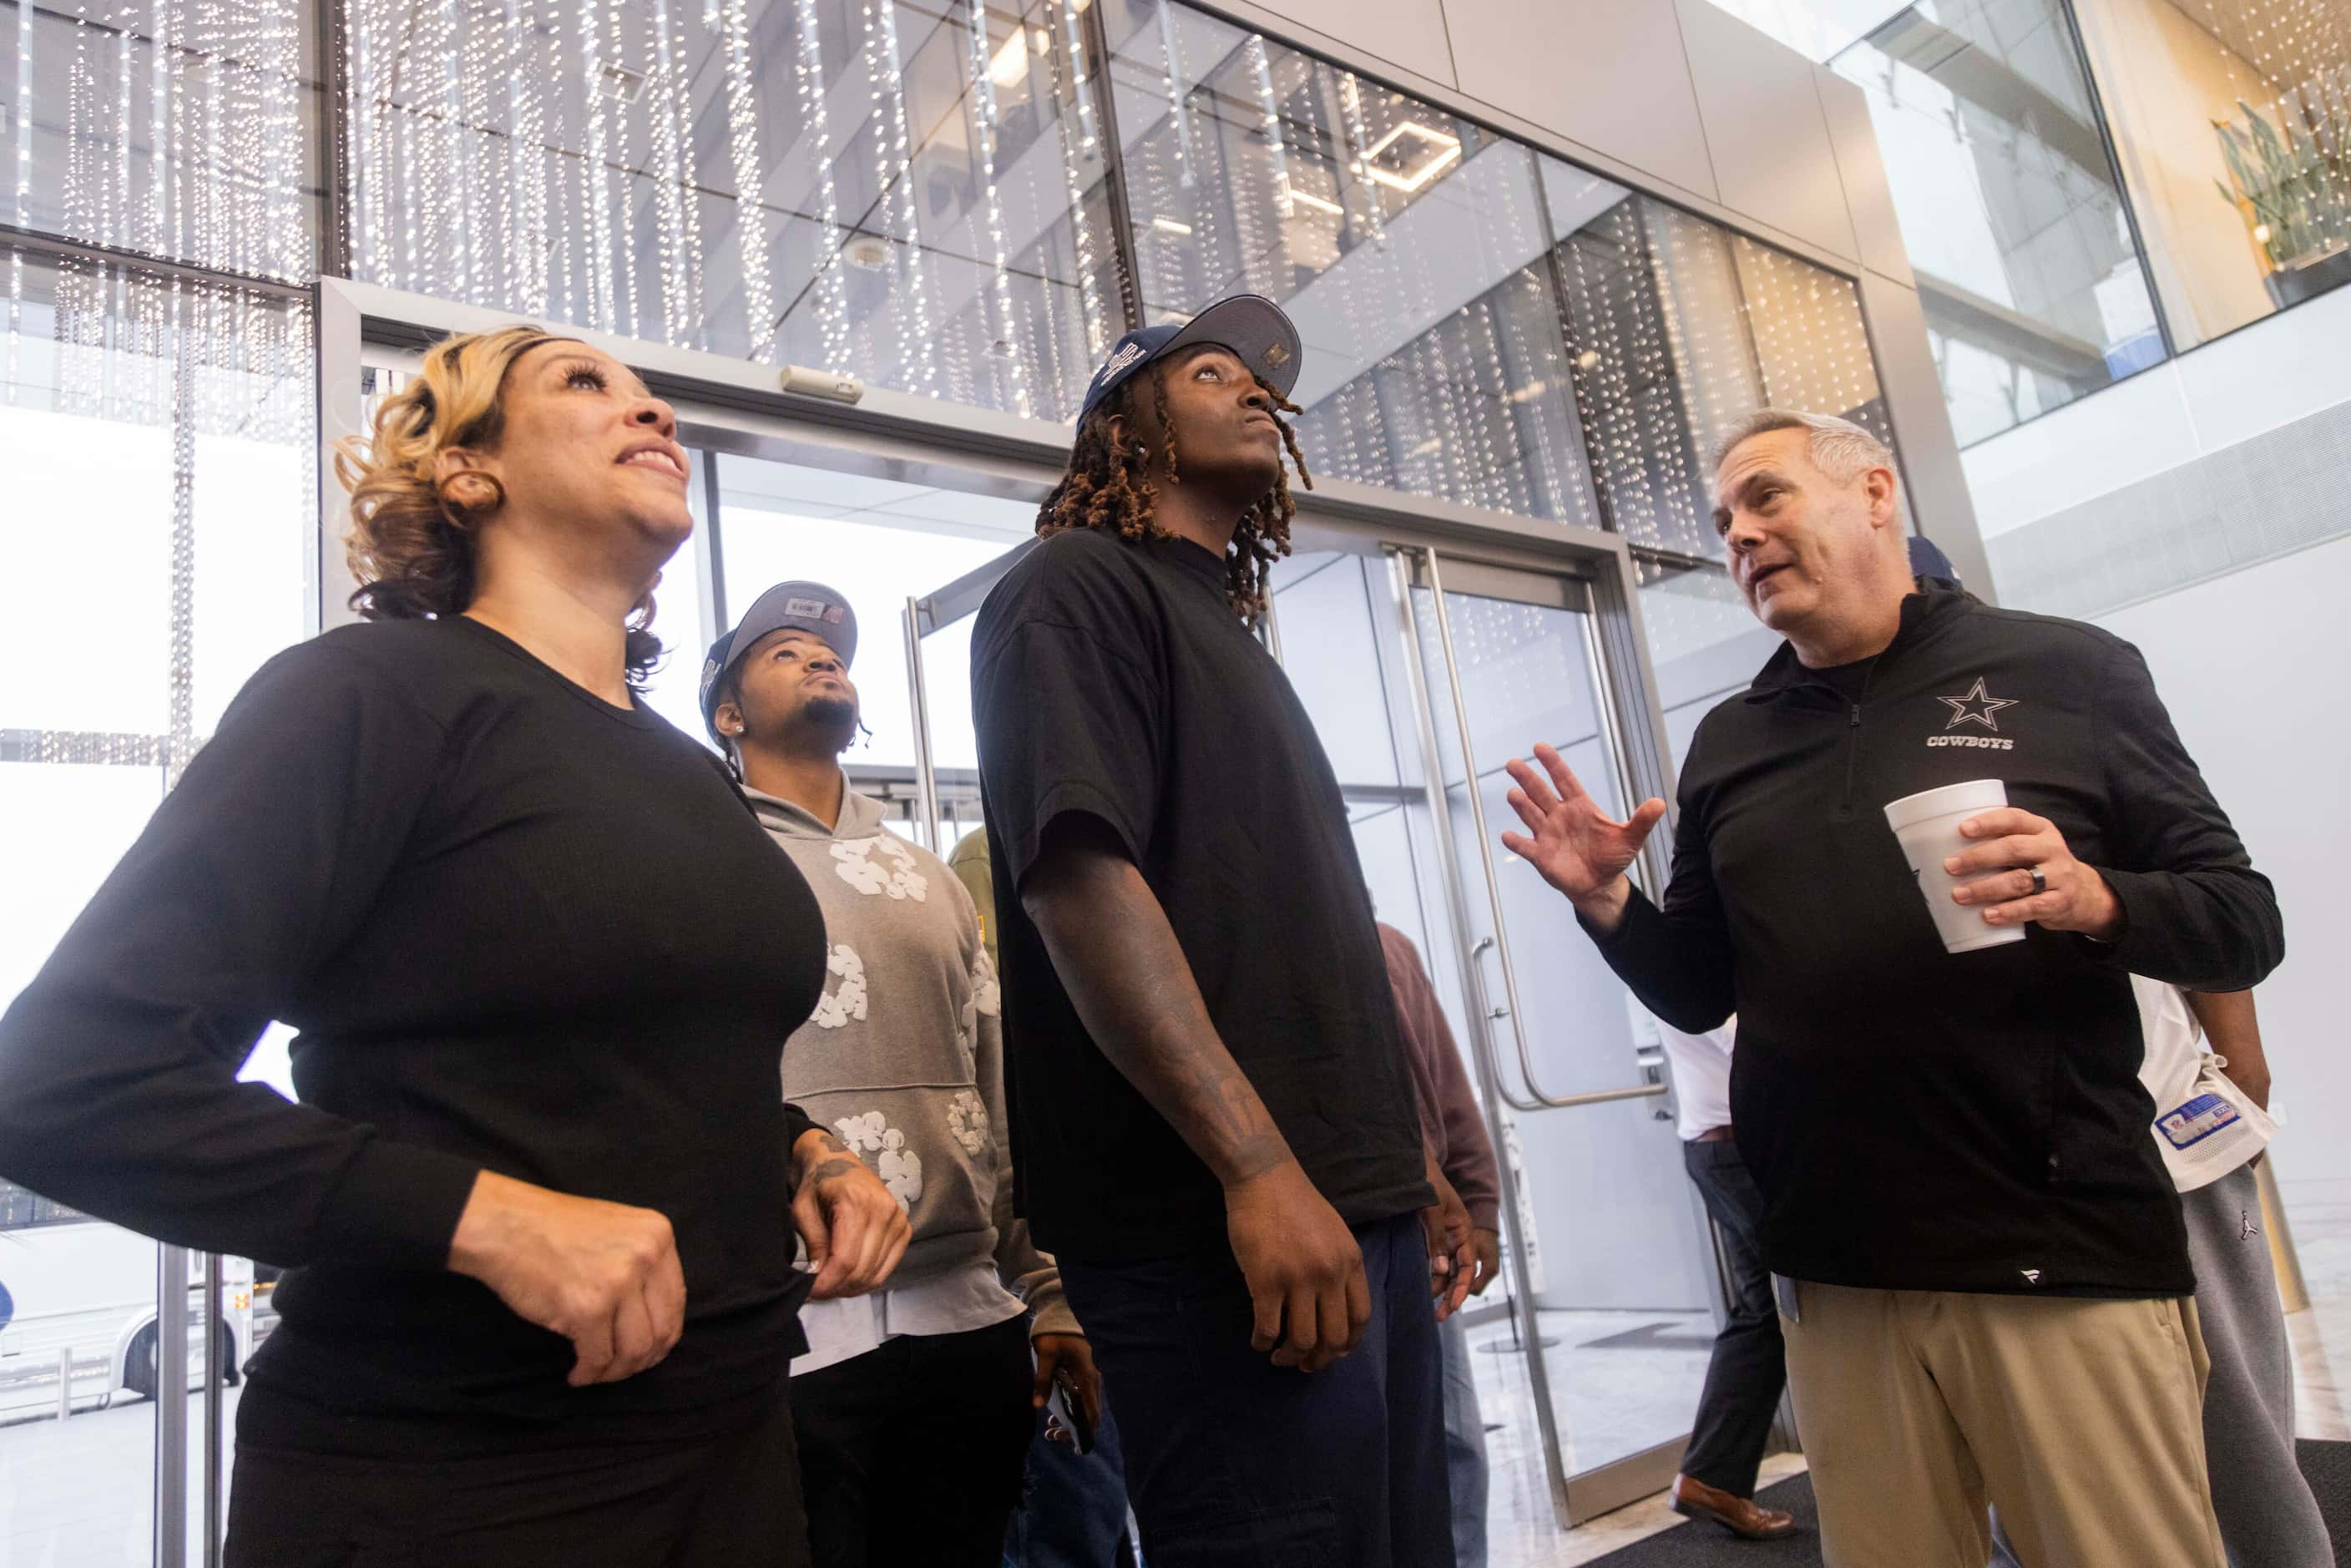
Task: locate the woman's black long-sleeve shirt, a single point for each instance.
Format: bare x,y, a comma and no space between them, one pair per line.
518,929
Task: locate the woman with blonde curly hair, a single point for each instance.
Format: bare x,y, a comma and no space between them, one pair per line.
540,1296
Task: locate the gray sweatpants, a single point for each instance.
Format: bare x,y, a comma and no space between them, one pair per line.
2268,1517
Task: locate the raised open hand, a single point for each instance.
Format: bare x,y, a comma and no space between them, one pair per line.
1578,848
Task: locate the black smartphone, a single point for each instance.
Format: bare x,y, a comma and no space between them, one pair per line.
1064,1406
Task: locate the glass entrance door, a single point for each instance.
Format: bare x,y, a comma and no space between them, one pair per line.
1423,676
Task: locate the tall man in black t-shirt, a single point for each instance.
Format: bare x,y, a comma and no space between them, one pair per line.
1214,1127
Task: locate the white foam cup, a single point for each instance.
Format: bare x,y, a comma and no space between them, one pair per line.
1926,825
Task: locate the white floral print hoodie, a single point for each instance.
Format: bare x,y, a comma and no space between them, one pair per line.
903,1057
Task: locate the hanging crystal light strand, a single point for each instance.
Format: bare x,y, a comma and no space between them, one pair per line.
162,17
1270,125
559,167
616,174
503,60
1077,154
119,214
454,188
1351,109
24,111
598,214
179,411
289,226
85,170
1007,345
1171,83
682,278
750,210
364,110
832,300
893,173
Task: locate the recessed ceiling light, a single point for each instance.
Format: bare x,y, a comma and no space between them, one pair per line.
1171,226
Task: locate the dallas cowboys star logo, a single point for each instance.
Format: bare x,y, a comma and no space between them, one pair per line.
1976,708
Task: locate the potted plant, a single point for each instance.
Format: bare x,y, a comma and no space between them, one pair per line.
2293,198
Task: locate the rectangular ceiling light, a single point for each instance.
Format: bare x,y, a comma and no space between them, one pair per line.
1309,198
1439,149
1170,226
1009,66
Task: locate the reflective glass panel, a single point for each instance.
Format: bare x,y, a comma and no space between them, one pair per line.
1676,329
1406,243
910,192
159,439
2231,120
175,130
2027,271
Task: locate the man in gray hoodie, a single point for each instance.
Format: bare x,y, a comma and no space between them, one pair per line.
913,1405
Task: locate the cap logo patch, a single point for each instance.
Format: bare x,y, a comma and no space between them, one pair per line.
1277,355
1120,361
813,609
833,615
709,669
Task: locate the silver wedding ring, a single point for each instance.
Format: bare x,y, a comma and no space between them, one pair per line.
2040,883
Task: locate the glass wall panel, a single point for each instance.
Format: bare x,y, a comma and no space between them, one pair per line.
160,127
1407,243
158,438
2231,120
1676,329
911,191
2026,266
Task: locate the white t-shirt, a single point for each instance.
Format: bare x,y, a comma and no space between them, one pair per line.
1701,1068
2205,1126
957,1302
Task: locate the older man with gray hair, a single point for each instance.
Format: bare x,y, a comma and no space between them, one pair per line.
1980,1264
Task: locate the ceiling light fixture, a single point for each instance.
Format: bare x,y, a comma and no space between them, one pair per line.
1441,149
1320,204
1009,65
1171,226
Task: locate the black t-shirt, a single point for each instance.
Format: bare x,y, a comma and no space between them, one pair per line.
519,929
1114,680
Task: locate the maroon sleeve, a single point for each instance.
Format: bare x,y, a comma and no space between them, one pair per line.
1468,1152
1447,1105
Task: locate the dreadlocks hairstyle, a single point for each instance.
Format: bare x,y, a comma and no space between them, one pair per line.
1112,491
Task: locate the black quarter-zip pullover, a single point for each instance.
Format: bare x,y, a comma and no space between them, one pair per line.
1926,1120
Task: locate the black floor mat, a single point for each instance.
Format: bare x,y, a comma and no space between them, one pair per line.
1700,1544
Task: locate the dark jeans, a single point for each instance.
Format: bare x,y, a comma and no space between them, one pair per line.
1073,1510
1233,1462
727,1503
1744,1379
912,1452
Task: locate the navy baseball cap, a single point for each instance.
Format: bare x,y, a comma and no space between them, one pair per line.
1928,559
809,607
1251,324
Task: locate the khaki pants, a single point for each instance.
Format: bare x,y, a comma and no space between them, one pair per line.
2081,1420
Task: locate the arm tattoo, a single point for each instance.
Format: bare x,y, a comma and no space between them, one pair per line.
838,1166
1133,988
827,1158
